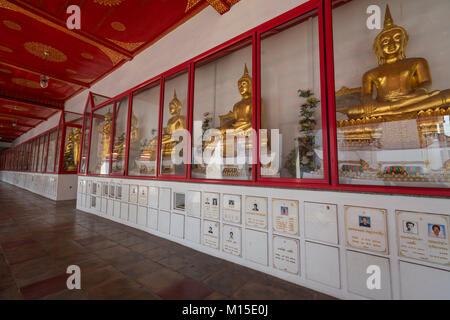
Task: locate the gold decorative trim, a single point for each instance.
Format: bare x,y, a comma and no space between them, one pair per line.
5,49
118,26
5,71
38,49
109,3
130,46
16,108
71,71
219,6
26,83
191,4
87,56
12,25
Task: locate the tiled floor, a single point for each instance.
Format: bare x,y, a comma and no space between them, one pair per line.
39,239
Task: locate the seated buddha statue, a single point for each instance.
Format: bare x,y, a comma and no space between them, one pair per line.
176,122
105,131
239,121
401,83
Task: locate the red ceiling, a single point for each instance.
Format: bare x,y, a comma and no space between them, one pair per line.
112,32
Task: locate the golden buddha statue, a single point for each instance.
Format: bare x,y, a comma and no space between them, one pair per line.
239,121
401,83
76,146
68,163
176,122
105,130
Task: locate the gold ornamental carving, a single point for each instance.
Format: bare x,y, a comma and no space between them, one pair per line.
26,83
5,71
15,108
5,49
38,49
109,3
12,25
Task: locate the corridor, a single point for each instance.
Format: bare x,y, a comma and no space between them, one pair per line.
39,239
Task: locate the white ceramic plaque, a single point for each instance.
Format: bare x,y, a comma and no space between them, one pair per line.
192,229
193,203
211,234
285,216
285,254
321,222
132,213
142,216
256,212
322,264
232,242
366,228
152,218
177,225
125,192
231,208
153,195
164,222
112,190
124,211
256,246
105,189
143,195
423,236
211,205
164,199
133,194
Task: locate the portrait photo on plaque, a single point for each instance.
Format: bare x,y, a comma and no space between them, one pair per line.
133,194
211,205
231,208
232,243
285,216
423,236
285,254
256,212
211,234
366,228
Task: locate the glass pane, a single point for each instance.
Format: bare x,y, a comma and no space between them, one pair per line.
44,153
174,124
392,94
223,116
120,136
144,131
71,149
100,140
291,146
51,151
34,155
58,148
41,152
86,130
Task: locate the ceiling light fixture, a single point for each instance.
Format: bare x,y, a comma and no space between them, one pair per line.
44,79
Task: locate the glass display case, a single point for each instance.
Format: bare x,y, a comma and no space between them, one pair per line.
120,135
100,145
223,135
174,123
392,94
53,135
143,149
85,137
72,146
43,164
40,153
291,135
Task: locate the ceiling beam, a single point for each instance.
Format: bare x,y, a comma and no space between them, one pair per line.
6,121
54,22
39,73
20,115
13,99
9,130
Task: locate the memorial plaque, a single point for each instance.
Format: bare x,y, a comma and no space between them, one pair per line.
112,190
133,194
285,216
211,205
143,195
285,254
423,236
231,208
105,189
321,222
256,212
211,234
366,228
232,243
193,207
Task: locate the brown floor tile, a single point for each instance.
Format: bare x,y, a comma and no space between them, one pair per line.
226,282
259,291
160,280
35,270
141,268
44,288
187,289
118,289
10,293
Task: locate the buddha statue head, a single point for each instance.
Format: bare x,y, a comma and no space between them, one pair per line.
390,43
245,84
175,105
108,116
